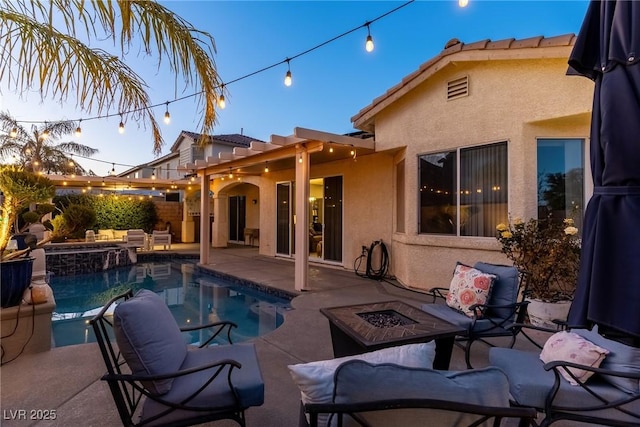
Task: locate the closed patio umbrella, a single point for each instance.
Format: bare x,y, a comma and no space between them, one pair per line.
607,50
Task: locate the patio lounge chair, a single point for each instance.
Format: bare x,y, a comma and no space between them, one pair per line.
136,238
499,317
366,394
162,237
181,386
611,396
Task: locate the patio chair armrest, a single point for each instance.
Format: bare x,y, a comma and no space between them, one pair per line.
524,327
353,408
438,293
221,325
560,364
219,364
481,311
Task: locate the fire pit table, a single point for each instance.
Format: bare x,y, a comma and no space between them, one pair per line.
361,328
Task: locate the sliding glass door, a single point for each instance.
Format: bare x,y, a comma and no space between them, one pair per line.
332,236
284,215
237,218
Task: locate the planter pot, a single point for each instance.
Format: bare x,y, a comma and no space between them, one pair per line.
16,277
543,313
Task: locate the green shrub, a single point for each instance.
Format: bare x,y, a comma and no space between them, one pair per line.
120,213
78,219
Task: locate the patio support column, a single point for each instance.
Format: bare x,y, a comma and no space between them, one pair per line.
302,218
205,219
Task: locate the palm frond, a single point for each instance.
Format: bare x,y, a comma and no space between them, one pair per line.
61,64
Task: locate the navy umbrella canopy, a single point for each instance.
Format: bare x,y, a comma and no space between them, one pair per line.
607,50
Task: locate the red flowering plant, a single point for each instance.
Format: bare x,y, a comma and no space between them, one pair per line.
548,251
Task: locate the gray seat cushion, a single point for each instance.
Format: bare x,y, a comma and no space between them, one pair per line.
505,287
247,381
457,318
530,386
621,358
149,338
358,381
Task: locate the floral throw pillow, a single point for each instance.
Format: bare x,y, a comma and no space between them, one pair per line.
469,286
571,347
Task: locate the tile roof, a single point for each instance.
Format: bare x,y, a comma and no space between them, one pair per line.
233,139
455,46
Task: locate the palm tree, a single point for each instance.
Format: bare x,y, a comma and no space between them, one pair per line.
36,151
42,47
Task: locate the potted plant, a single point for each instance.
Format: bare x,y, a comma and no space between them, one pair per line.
19,188
548,251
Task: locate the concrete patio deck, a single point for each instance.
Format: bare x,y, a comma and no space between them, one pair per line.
66,379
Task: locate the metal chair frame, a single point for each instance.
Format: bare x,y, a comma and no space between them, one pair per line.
128,391
485,413
555,413
499,327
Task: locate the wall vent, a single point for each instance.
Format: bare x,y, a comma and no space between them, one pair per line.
458,88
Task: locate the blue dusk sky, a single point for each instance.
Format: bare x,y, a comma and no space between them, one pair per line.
330,84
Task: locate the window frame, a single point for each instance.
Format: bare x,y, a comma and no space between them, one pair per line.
457,177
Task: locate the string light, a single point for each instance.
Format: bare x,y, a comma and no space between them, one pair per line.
230,174
221,102
287,77
266,167
14,132
45,132
369,43
113,169
153,174
167,116
79,129
462,3
300,159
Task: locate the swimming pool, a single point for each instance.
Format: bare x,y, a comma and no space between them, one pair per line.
193,298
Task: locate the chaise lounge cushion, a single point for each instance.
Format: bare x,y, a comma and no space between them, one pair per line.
621,358
149,349
315,379
530,386
247,382
359,381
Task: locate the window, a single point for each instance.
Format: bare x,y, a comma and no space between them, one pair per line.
464,192
561,179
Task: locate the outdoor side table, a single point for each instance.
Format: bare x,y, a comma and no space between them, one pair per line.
357,329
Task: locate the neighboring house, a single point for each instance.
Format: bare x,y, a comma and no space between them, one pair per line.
479,132
187,149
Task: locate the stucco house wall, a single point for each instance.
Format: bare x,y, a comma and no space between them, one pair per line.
367,190
514,95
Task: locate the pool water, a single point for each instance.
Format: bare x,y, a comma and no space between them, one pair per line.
194,298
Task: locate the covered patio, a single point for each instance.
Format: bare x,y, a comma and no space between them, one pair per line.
299,152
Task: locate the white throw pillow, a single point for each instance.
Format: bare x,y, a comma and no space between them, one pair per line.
315,379
571,347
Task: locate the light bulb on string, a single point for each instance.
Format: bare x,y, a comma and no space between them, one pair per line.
369,43
266,167
221,101
79,129
121,125
153,174
45,132
14,133
230,173
287,77
113,169
167,115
